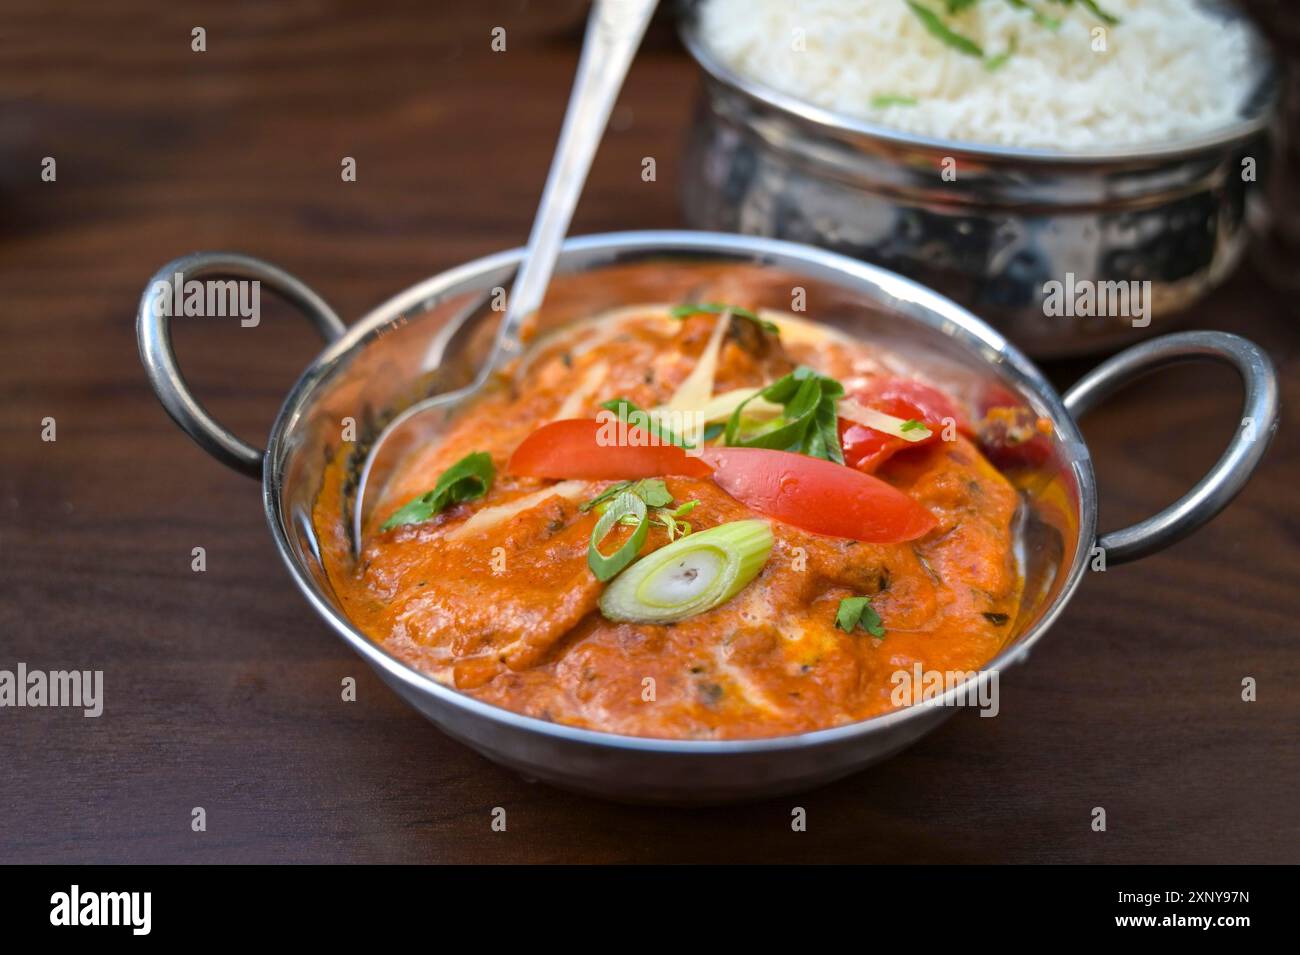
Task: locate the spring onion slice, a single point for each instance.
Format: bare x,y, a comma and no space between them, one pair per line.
850,410
691,575
624,505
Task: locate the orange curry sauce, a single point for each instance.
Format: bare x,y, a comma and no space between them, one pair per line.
508,614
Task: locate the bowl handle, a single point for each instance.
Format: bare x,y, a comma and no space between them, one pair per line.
1229,475
153,330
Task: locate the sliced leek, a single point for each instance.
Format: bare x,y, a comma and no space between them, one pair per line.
850,410
691,575
625,505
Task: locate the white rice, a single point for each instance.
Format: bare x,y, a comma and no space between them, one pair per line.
1169,70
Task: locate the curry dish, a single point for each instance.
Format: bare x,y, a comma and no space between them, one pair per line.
824,520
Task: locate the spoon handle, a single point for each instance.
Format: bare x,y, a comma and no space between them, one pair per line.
614,32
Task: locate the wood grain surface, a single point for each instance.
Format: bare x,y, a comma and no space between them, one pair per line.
222,688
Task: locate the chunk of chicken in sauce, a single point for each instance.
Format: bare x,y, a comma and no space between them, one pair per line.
505,608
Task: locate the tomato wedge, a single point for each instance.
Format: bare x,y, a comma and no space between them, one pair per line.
927,403
867,449
583,449
818,496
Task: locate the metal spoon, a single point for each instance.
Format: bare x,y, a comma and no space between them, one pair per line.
614,32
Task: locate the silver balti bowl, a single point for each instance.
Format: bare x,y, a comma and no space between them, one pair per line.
399,352
761,162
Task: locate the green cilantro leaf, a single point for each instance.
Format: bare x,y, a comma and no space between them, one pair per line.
857,611
467,479
808,422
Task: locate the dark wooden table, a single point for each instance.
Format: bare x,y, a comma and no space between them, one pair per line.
222,688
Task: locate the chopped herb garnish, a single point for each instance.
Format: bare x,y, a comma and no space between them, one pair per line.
935,25
467,479
891,99
1039,17
1092,8
717,308
1099,13
911,424
942,32
997,619
995,63
808,423
670,521
857,611
653,491
630,414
